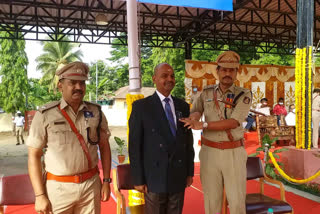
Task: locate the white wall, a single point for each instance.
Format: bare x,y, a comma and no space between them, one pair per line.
5,122
115,117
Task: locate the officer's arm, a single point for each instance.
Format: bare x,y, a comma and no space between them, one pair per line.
105,153
197,108
35,170
223,125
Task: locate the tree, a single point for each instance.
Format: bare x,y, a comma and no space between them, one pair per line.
273,58
14,81
56,54
39,94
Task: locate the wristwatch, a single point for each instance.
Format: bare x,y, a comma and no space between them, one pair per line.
205,125
108,180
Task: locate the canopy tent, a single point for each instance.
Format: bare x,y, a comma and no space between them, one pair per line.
270,25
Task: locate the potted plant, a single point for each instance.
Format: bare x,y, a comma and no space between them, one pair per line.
121,145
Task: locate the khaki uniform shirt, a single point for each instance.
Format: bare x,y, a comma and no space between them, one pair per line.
64,155
205,104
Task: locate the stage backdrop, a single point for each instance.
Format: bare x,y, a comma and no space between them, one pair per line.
270,81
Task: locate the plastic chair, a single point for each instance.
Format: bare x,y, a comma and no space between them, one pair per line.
122,180
15,190
258,203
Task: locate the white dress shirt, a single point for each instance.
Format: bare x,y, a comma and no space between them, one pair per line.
290,119
171,105
19,121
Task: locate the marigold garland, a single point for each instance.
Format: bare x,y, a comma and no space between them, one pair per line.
309,96
134,197
297,97
284,175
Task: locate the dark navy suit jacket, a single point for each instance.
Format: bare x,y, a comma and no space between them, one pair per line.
157,158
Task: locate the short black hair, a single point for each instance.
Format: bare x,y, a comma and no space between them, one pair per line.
281,98
316,90
264,100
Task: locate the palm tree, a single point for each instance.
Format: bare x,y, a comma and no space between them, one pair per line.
56,55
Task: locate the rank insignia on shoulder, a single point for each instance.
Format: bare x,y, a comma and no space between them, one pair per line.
246,100
88,114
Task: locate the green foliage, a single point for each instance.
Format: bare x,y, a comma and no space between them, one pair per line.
312,188
109,79
56,54
269,167
121,145
39,94
13,71
272,58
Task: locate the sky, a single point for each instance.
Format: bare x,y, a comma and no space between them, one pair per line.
91,53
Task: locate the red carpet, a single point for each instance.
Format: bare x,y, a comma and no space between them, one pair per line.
194,203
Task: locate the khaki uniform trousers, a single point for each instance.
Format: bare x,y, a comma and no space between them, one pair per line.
220,168
315,125
73,198
19,133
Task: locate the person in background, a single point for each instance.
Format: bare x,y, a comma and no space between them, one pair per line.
195,93
13,125
19,122
279,110
250,120
315,116
291,116
263,107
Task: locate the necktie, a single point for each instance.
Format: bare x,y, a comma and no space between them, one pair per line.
170,116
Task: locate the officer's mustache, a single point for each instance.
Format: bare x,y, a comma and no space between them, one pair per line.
77,91
227,77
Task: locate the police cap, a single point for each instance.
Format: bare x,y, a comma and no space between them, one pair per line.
74,71
229,59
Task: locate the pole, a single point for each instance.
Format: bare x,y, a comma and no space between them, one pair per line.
135,197
133,48
97,82
303,72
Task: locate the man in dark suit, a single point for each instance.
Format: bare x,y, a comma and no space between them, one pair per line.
160,148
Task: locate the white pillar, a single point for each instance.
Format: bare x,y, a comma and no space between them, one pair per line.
133,48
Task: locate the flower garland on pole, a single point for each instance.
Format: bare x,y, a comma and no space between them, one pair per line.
135,197
298,96
310,64
303,102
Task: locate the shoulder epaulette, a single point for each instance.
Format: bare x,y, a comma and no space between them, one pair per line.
209,87
49,106
91,103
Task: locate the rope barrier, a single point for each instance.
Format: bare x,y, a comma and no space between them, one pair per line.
285,176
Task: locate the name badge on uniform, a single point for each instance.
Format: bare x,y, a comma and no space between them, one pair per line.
230,98
208,100
88,114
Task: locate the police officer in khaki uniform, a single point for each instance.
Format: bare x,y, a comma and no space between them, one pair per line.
315,116
70,130
222,155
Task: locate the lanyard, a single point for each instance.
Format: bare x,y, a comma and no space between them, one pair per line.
220,114
79,136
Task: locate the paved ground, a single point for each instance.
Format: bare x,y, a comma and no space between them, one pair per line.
13,159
